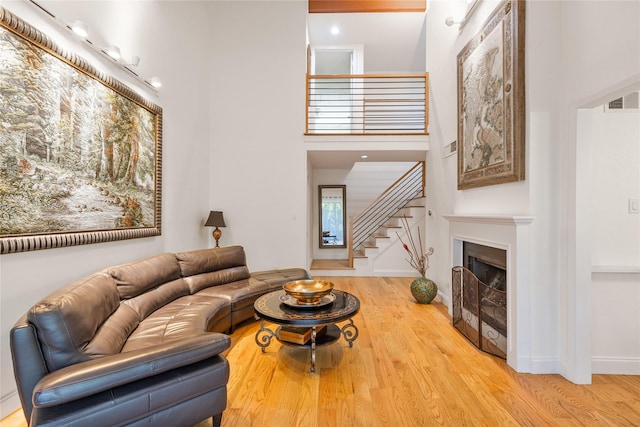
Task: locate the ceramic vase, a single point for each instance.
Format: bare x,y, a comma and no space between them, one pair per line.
424,290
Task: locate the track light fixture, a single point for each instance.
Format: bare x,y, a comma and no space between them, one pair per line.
155,82
81,29
113,52
450,21
135,61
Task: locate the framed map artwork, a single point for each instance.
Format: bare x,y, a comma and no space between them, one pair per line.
491,120
80,153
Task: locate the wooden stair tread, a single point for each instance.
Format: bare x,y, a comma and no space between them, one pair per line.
359,254
330,264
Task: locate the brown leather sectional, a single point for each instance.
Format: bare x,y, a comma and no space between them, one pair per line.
140,343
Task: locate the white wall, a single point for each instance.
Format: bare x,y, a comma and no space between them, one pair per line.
443,45
170,37
615,343
615,142
576,51
615,239
367,180
258,173
611,63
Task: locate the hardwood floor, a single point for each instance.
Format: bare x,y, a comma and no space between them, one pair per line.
408,367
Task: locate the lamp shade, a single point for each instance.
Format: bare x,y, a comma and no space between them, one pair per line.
215,220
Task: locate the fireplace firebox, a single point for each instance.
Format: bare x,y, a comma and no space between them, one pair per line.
479,290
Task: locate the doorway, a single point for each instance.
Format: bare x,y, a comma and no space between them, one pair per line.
590,286
334,98
610,133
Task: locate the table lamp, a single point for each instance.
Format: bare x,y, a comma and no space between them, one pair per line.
215,220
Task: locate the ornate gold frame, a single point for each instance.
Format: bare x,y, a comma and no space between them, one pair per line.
491,101
146,208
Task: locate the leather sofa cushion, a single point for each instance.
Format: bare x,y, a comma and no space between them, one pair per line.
184,317
115,330
239,293
158,297
209,260
113,333
154,401
82,380
199,282
138,277
67,320
278,277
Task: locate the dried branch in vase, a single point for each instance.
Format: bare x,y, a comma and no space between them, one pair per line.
418,257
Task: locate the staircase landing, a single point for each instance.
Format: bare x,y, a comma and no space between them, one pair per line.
330,264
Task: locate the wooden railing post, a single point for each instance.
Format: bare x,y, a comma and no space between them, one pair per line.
424,177
350,232
426,102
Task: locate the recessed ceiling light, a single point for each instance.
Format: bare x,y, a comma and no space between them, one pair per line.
364,156
335,30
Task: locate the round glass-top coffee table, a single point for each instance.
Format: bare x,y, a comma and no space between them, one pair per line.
296,322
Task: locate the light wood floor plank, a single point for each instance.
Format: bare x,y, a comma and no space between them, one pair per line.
408,367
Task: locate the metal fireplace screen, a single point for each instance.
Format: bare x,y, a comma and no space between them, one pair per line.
480,312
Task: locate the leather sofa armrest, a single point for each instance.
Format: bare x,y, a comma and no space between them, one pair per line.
97,375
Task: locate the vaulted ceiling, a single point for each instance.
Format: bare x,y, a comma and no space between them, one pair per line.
393,41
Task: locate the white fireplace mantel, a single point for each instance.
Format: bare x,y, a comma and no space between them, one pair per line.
512,233
491,219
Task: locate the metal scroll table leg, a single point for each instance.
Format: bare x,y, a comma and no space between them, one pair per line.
313,349
350,332
264,336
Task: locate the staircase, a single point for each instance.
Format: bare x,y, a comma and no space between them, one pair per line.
375,249
382,254
379,255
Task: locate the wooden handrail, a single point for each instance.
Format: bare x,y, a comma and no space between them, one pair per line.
352,219
421,162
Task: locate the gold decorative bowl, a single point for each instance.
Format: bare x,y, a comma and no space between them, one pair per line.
308,292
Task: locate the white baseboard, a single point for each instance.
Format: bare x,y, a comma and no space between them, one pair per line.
445,299
545,365
9,404
615,365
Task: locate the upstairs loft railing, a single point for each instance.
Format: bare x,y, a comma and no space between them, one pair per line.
367,104
364,226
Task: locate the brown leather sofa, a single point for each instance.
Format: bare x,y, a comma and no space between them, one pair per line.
138,344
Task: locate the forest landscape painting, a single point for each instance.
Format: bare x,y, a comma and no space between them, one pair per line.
79,154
